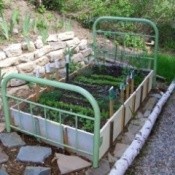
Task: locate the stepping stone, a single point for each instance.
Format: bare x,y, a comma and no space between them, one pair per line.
2,127
68,164
37,171
133,128
11,140
35,154
103,169
3,172
3,157
127,138
120,149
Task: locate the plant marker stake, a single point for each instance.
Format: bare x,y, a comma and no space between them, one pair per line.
47,69
112,97
37,87
57,66
127,87
67,68
122,94
132,82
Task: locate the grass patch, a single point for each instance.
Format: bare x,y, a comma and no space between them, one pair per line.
166,66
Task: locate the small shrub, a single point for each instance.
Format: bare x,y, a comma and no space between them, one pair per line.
1,7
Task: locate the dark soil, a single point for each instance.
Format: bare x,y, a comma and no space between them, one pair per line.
80,105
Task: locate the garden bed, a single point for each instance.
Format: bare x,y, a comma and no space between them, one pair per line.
70,124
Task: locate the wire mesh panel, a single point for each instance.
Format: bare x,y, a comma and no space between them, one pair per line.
131,41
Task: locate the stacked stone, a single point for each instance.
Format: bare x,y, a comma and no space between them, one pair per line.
27,57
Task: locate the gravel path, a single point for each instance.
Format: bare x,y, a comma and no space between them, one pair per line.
158,155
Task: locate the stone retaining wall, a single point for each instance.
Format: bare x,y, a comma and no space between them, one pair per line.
30,57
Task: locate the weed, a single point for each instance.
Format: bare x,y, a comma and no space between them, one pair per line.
5,28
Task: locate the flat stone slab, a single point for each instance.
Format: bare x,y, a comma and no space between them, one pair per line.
3,172
133,128
120,149
103,169
11,140
37,171
127,138
35,154
68,164
3,157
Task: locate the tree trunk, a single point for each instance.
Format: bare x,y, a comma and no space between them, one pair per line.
133,150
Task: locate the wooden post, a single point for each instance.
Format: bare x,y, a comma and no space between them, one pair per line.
65,139
112,97
122,93
132,85
127,87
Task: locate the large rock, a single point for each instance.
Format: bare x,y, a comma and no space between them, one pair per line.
43,51
13,61
83,44
73,43
66,36
42,61
77,57
86,52
52,38
9,70
2,55
56,55
26,57
37,171
16,82
11,140
57,45
26,67
31,46
13,50
68,164
39,43
35,154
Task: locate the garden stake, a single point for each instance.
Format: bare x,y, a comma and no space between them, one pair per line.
65,138
57,66
127,87
132,82
37,87
122,94
112,97
67,68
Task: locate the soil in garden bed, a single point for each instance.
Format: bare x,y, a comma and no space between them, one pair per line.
95,79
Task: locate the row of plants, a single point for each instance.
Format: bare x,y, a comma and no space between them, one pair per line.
99,85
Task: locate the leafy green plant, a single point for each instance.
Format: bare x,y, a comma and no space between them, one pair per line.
26,27
42,27
4,28
41,9
166,66
1,7
14,20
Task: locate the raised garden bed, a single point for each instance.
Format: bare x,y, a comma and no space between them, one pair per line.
68,120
